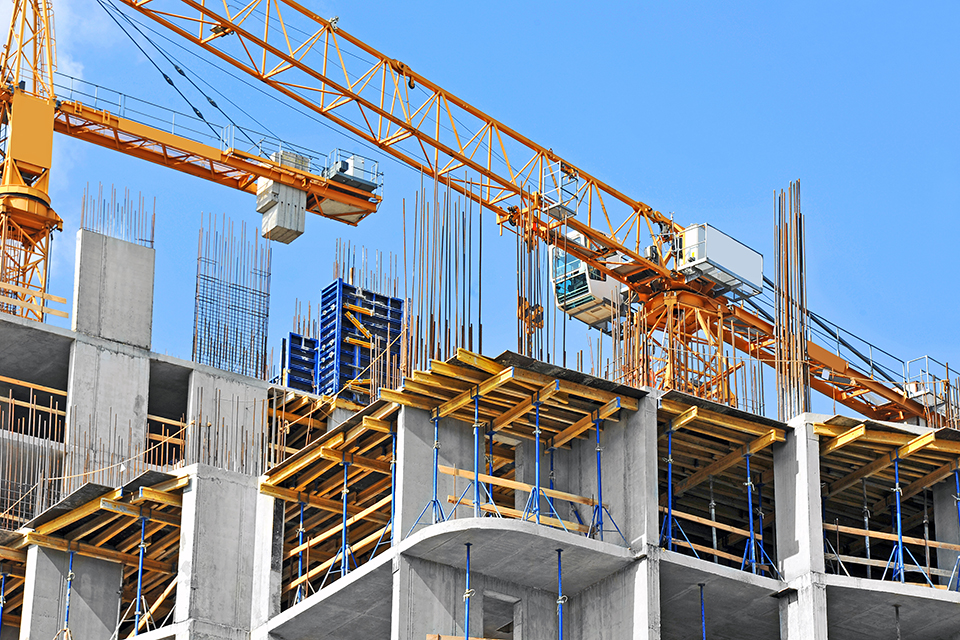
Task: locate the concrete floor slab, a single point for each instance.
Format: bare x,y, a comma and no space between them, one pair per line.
861,609
738,605
356,607
523,553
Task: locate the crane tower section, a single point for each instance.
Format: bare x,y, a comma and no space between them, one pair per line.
26,113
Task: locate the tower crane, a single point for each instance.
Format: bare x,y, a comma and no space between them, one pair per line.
286,184
613,237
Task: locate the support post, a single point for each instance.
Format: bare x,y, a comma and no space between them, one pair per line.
143,551
476,453
703,615
300,587
467,594
561,599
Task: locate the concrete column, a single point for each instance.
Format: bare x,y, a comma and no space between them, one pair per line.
217,543
625,605
630,484
796,469
946,523
267,560
107,389
94,595
415,466
113,289
221,398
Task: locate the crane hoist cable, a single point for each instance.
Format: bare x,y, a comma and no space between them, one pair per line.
157,67
180,69
316,119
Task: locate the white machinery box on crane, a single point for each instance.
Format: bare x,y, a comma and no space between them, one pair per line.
715,256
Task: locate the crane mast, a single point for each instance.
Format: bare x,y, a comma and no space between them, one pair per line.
27,219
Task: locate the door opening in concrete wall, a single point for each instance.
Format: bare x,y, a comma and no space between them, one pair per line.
501,616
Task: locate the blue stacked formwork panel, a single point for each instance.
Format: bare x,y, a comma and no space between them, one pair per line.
344,350
302,363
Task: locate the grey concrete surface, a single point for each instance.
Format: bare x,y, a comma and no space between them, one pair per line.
217,550
223,398
521,553
94,595
113,289
861,609
946,519
355,607
107,389
415,466
267,560
623,605
738,605
34,352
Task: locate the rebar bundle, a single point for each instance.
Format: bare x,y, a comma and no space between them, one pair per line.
233,300
790,327
124,219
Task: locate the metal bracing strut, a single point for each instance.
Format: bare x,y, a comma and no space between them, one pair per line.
467,594
533,502
438,515
596,524
561,599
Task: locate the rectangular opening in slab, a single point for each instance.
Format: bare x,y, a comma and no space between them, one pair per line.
500,616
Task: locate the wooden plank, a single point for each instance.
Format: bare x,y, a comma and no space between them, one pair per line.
407,400
466,397
585,423
35,307
317,539
12,555
135,511
881,463
892,537
724,463
479,361
522,408
324,504
713,523
711,551
160,497
842,440
883,564
515,485
9,286
79,513
172,485
373,538
155,606
383,426
361,462
518,514
126,559
35,387
718,419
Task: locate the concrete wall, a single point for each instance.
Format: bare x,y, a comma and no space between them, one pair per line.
94,595
428,599
113,289
107,391
222,398
214,591
415,466
626,605
946,523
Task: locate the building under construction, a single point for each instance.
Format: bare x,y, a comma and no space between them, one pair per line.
394,480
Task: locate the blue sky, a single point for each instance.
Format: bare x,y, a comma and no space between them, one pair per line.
701,109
